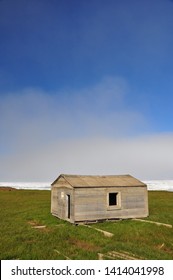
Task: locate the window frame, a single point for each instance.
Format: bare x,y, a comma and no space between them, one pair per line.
118,200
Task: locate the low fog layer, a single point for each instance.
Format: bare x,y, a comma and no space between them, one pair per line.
90,131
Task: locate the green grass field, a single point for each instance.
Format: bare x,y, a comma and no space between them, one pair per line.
22,211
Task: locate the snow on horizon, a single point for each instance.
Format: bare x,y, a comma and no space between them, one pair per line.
152,185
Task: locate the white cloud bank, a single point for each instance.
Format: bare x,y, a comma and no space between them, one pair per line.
145,157
91,131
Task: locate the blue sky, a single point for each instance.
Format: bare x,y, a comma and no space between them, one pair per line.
86,88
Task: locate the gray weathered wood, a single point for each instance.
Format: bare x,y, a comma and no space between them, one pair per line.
81,203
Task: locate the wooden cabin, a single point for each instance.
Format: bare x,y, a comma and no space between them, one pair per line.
84,199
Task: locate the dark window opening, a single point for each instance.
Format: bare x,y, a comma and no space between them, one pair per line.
113,199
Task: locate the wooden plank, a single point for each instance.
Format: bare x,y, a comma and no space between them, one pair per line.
120,255
106,233
153,222
59,253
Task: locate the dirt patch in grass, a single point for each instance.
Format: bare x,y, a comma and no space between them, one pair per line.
36,225
164,248
84,245
30,241
7,189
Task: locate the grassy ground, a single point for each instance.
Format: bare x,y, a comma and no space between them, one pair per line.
22,211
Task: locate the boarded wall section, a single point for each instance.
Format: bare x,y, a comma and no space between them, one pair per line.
93,204
62,201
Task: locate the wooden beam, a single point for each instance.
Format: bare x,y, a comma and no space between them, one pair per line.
106,233
152,222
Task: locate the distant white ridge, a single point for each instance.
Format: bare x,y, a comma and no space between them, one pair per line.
160,185
153,185
27,185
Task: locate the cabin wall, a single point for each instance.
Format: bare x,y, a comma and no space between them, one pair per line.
93,203
62,202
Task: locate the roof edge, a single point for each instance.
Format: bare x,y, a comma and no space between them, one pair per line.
60,176
65,176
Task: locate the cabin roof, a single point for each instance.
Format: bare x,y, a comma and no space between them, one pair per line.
81,181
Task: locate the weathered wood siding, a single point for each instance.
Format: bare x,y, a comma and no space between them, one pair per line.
59,201
92,203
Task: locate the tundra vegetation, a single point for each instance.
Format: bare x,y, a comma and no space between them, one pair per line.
29,231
